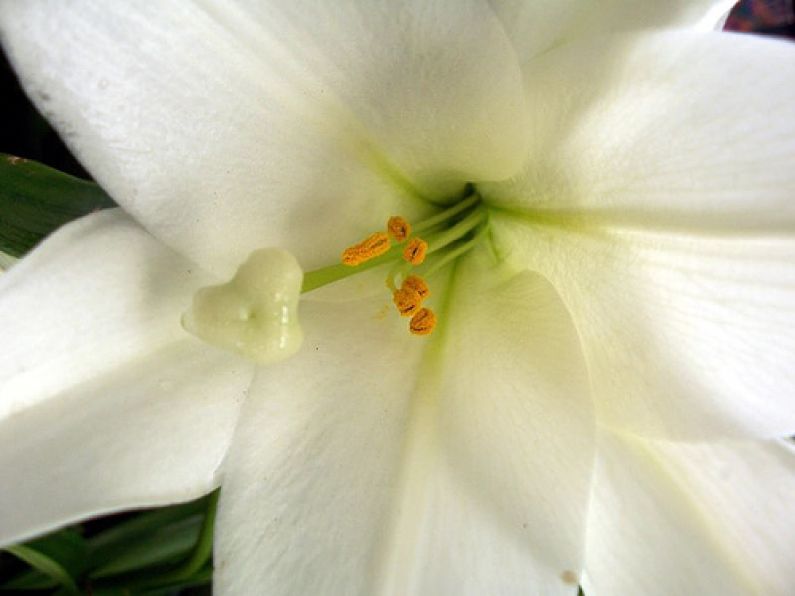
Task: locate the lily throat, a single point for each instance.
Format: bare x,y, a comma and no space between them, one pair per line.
415,252
255,314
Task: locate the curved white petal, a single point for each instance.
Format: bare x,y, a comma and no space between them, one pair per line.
669,518
228,126
368,464
692,131
508,498
95,295
313,465
685,336
660,209
151,432
105,402
535,27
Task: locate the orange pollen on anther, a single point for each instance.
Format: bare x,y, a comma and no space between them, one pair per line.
416,283
369,248
415,251
423,322
398,228
407,301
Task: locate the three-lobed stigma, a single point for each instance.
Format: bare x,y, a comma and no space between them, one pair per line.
256,312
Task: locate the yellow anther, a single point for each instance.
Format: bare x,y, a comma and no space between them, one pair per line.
408,301
423,322
416,283
369,248
398,228
415,251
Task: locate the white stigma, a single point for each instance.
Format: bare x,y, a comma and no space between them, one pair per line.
256,313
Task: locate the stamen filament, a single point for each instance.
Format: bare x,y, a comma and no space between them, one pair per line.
443,216
399,268
460,229
436,241
455,252
331,273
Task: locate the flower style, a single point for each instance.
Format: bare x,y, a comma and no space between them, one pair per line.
605,397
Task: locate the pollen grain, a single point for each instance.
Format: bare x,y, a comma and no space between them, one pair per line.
423,322
373,246
415,251
407,301
416,283
398,228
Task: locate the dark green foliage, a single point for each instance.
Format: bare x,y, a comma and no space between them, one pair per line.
35,200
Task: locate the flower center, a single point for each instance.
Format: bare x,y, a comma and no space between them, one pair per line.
416,252
255,313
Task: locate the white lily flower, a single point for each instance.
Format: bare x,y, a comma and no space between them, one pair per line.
605,398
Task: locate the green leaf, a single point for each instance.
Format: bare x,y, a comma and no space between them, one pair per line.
111,543
66,547
192,568
45,565
35,200
165,546
32,579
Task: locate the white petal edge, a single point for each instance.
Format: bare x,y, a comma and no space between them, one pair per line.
95,295
535,27
365,476
712,519
152,432
6,261
224,127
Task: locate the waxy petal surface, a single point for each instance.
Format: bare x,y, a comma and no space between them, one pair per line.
105,402
228,126
95,295
670,518
396,467
658,203
537,26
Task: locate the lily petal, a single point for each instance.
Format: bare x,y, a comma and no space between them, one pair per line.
661,130
313,464
228,126
94,296
99,386
535,27
407,471
721,514
153,432
509,498
663,216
